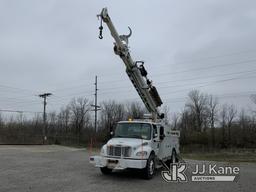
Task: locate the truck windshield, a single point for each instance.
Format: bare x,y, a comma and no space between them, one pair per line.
133,130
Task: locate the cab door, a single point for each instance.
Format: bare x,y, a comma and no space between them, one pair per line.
156,139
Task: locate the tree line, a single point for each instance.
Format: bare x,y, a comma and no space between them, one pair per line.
207,123
72,125
203,122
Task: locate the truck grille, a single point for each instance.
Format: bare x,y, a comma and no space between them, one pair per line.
119,151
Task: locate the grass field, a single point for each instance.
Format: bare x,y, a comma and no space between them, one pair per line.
231,155
249,157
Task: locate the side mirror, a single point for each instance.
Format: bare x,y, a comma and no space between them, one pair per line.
162,133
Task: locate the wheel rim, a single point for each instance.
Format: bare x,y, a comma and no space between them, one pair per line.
151,167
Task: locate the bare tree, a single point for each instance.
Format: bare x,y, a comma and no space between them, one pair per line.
52,129
174,121
111,113
223,119
198,106
166,112
184,126
243,122
135,110
227,114
37,122
20,126
64,118
253,98
1,121
213,102
231,113
80,108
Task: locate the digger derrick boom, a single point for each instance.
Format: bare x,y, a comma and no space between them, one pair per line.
137,73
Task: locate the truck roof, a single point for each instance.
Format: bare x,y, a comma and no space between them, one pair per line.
138,121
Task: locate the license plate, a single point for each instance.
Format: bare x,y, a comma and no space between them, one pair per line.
112,163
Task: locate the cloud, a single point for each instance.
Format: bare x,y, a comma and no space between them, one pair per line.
51,45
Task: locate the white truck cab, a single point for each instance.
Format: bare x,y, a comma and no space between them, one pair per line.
138,145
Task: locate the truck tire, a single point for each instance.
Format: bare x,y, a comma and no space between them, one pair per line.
105,170
149,170
174,158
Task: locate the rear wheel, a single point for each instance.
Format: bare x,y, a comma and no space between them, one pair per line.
174,159
149,170
105,170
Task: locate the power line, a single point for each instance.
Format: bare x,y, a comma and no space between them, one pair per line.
181,62
115,88
213,57
18,101
18,111
161,74
169,100
177,72
209,76
23,105
83,93
200,85
15,88
183,99
179,80
218,97
212,82
209,67
189,79
171,73
195,69
193,60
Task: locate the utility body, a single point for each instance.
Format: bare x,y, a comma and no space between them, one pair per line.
139,144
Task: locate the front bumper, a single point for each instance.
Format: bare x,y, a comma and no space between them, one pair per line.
117,163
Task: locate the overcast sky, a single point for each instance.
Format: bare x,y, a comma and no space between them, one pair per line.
53,46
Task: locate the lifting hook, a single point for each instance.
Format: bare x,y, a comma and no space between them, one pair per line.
100,28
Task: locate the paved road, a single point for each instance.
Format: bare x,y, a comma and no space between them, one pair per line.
57,168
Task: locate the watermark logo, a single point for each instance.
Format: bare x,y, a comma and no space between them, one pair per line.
199,172
176,173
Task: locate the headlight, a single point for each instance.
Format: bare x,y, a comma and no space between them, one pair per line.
144,144
142,153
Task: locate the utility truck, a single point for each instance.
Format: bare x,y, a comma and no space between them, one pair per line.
145,144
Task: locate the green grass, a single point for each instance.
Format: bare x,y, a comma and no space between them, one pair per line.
248,157
234,155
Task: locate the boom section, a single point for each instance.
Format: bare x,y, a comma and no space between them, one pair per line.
134,69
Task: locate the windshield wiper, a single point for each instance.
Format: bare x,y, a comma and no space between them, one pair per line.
119,136
136,136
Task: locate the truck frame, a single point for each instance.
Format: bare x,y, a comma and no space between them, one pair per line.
144,144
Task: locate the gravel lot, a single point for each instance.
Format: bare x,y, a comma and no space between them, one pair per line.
57,168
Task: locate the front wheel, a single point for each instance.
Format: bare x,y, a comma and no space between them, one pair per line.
105,170
149,170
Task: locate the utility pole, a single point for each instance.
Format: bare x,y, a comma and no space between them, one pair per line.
96,107
44,96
